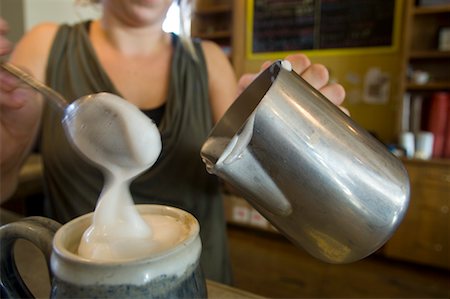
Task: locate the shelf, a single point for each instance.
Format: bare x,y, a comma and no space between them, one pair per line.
431,9
426,54
423,235
213,9
429,86
433,161
213,35
212,20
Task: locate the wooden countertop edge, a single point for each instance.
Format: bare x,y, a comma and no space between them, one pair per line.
218,291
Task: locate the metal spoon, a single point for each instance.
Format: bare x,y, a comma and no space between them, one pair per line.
49,93
102,127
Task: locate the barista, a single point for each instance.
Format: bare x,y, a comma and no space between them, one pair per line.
184,85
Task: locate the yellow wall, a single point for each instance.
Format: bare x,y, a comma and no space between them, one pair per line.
350,71
349,68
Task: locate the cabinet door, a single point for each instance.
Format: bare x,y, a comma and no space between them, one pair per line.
424,234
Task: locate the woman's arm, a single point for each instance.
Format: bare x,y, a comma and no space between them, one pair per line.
221,79
20,106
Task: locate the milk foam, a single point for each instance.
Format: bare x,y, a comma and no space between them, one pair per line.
123,142
184,252
238,143
167,232
286,65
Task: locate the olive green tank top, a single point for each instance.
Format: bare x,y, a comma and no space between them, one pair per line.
178,178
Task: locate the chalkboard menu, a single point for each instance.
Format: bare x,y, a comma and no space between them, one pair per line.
289,25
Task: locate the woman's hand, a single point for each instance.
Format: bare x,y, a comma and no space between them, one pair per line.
315,74
19,120
13,93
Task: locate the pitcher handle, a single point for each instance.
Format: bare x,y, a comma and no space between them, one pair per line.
39,231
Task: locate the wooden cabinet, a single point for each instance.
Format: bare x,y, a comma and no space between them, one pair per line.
422,237
424,234
212,20
424,52
426,64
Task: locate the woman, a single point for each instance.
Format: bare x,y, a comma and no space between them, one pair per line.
184,86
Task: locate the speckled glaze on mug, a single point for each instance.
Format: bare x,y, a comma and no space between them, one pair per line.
174,273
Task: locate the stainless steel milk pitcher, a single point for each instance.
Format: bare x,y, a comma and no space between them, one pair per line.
308,168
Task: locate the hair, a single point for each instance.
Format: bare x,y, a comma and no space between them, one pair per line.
185,8
185,35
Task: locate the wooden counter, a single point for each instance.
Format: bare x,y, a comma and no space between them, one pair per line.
424,235
221,291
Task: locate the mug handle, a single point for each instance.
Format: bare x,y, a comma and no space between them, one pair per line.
39,231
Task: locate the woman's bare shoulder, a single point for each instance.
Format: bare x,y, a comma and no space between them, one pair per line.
213,51
222,80
32,51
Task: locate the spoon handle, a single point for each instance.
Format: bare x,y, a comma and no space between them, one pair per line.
53,95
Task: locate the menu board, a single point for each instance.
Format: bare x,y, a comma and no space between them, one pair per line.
290,25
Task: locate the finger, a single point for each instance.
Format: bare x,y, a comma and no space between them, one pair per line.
3,26
316,75
13,92
334,92
8,82
245,81
299,62
265,65
16,99
5,45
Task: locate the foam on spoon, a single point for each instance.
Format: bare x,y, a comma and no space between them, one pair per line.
116,136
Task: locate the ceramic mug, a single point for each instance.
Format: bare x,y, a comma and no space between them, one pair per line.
173,273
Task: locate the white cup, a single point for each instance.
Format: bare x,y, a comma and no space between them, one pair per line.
424,145
420,77
407,143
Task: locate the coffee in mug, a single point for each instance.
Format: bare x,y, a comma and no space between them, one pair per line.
170,270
